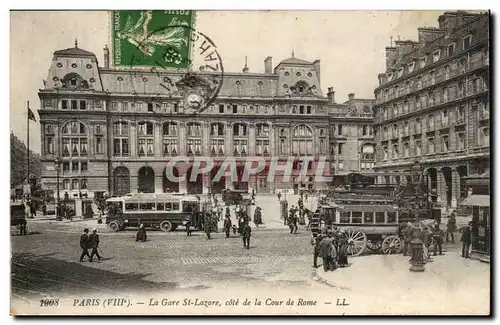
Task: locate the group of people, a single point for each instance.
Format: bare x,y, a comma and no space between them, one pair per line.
332,246
89,242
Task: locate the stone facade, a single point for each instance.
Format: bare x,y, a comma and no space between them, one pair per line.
116,129
432,105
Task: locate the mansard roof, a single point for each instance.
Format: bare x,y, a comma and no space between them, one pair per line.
74,51
294,60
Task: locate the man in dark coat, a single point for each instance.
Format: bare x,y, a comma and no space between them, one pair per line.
342,245
451,227
207,223
257,217
466,240
325,251
141,234
247,233
315,241
84,244
187,223
94,243
227,226
437,237
407,236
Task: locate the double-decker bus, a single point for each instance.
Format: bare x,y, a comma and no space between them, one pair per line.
164,211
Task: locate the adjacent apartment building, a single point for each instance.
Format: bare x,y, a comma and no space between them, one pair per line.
433,105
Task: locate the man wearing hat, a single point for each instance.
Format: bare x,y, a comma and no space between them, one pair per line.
84,244
326,251
466,240
141,234
94,243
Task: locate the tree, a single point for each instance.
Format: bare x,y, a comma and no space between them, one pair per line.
18,162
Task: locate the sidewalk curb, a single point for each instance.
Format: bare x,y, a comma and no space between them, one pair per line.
322,280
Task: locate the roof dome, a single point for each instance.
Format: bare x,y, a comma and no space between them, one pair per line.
74,51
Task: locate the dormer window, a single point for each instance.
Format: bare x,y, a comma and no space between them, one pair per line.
400,72
73,81
301,89
411,66
451,49
389,76
423,61
436,55
467,41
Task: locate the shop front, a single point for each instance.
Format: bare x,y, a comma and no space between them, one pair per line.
479,201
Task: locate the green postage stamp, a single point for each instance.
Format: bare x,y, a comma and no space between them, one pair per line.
152,38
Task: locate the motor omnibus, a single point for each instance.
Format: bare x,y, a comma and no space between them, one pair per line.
163,210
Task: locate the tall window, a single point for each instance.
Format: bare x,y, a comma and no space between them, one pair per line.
145,134
451,49
484,139
120,139
74,139
418,126
430,121
340,130
395,131
430,146
302,140
217,137
262,133
445,143
386,153
194,138
460,136
418,148
444,118
365,129
406,149
395,151
341,149
170,138
447,72
406,128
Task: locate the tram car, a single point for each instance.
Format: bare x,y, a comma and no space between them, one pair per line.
162,211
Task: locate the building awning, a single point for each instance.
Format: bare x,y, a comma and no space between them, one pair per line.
477,200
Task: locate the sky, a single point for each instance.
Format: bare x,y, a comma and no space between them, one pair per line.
350,44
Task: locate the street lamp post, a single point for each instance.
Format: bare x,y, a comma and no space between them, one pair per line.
57,162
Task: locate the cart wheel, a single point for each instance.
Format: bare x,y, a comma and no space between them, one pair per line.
392,245
374,245
114,226
356,242
166,226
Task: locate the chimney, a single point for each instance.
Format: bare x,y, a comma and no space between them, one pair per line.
331,95
391,53
245,69
106,56
268,65
316,65
351,96
429,34
405,47
451,20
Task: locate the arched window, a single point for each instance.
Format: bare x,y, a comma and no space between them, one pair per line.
194,135
302,140
262,132
217,139
74,139
170,138
240,141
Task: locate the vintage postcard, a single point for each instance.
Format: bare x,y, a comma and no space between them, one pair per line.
183,162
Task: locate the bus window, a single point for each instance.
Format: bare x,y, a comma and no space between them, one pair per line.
131,206
168,206
391,217
147,206
380,217
357,217
345,217
175,206
160,206
368,216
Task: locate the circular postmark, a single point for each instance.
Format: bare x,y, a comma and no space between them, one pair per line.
190,78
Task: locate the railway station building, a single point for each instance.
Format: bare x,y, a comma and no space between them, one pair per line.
115,129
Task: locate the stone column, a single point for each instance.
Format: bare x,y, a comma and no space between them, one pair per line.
182,140
229,139
251,139
134,181
158,136
158,181
272,140
205,138
441,187
455,190
133,143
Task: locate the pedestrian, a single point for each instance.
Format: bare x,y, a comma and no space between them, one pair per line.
407,236
215,220
315,241
257,217
325,247
94,244
279,196
84,244
187,223
241,222
247,233
342,244
228,212
427,239
141,234
466,240
207,222
227,226
437,238
451,227
23,227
